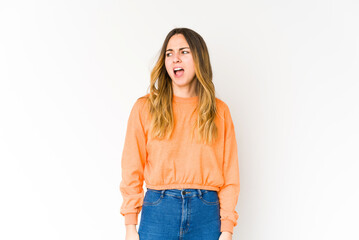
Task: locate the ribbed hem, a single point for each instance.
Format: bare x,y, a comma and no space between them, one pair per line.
131,218
227,226
183,185
185,99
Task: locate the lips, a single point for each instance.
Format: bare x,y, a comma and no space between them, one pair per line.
178,71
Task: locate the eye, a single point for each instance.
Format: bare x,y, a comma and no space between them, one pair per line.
167,54
185,51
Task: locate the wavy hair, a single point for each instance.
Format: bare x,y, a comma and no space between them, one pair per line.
161,92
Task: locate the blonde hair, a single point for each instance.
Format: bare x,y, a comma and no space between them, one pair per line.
160,96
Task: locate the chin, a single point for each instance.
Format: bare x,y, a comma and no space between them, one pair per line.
181,82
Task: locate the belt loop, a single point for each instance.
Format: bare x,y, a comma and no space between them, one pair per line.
163,192
199,192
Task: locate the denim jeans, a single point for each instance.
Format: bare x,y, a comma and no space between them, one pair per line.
180,214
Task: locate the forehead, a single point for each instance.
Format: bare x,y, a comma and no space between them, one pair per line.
177,41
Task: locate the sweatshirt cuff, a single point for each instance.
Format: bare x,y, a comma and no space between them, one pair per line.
227,226
131,218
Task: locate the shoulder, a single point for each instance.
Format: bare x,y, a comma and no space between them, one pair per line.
139,110
223,110
140,102
222,106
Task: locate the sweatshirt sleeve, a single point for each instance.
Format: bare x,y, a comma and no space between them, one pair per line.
132,165
229,192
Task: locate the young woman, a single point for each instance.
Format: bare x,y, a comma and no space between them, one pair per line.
180,140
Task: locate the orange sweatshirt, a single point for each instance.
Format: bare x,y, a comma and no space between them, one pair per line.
178,162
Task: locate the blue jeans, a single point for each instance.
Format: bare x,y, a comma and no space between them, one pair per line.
180,214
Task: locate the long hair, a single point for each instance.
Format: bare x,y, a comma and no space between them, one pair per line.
161,92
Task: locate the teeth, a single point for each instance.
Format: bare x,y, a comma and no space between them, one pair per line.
178,69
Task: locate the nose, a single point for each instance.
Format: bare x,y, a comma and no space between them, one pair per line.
176,58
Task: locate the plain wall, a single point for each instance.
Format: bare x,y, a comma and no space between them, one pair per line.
70,72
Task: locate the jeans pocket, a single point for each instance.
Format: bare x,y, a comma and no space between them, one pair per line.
209,197
152,198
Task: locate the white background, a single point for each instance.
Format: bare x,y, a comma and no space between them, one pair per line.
70,72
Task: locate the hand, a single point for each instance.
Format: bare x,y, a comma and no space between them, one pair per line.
131,233
225,236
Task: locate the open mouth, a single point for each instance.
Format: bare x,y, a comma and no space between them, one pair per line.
178,71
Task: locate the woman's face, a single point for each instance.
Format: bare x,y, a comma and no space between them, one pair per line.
179,55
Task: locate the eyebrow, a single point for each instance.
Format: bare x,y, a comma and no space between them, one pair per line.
178,49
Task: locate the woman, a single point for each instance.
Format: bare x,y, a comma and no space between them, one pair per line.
180,140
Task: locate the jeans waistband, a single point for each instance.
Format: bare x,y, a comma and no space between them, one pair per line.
183,192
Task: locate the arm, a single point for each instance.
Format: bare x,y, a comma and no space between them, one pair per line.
229,192
132,165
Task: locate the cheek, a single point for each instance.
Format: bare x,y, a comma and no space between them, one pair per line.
191,64
167,67
192,68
